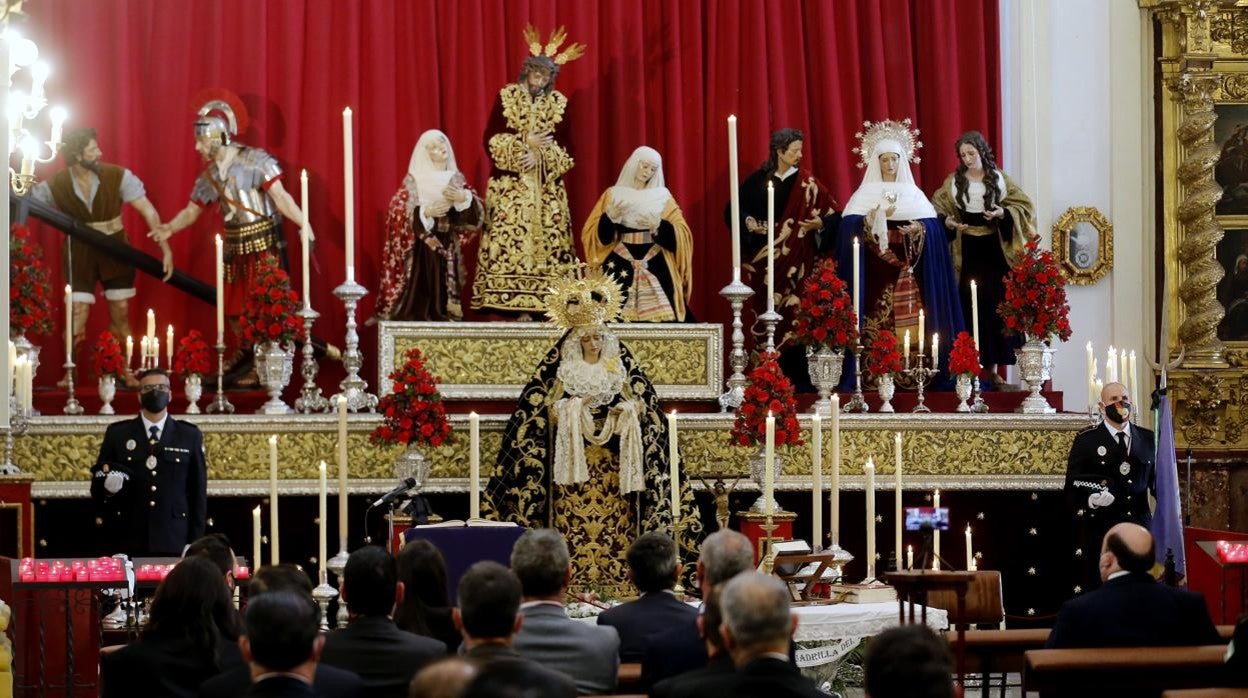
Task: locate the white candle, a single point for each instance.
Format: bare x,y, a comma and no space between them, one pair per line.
1124,373
970,556
936,351
342,473
869,469
922,336
323,504
348,165
673,462
734,197
905,354
255,538
474,466
1092,399
19,383
155,352
69,324
834,508
857,290
771,247
220,293
303,235
129,350
28,385
1111,365
816,490
936,534
151,324
10,373
275,549
897,498
909,557
169,346
769,478
975,313
143,352
1134,388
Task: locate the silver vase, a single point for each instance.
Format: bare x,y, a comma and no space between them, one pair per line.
194,391
108,391
758,471
963,389
29,351
412,463
886,387
274,364
1035,364
825,373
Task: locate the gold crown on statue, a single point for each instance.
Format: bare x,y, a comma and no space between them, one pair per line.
887,130
557,37
584,299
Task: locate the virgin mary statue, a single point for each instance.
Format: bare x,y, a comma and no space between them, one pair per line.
586,450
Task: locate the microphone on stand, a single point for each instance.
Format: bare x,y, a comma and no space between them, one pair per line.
395,493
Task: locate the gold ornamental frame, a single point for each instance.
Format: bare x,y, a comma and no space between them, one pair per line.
1064,226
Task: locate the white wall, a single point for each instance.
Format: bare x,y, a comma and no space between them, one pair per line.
1077,111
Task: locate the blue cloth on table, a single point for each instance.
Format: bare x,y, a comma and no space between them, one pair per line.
462,546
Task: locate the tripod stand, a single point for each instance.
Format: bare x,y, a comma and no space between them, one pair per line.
928,551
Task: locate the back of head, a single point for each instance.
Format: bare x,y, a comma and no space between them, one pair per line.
652,562
370,578
282,627
489,598
1133,547
713,617
445,678
756,611
283,577
909,661
215,547
510,678
724,555
422,570
193,607
540,559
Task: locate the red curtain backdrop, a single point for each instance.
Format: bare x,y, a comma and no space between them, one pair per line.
657,72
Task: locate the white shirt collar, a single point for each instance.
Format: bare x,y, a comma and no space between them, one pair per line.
787,173
531,604
1115,431
1115,575
287,674
160,426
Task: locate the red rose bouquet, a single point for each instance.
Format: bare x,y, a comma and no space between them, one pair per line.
192,356
769,391
964,358
413,412
29,293
106,356
270,312
884,357
825,316
1035,298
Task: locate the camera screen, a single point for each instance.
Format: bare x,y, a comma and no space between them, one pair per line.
927,518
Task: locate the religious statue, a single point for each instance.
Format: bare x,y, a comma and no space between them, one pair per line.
429,218
527,242
586,449
989,219
722,496
637,234
904,254
246,184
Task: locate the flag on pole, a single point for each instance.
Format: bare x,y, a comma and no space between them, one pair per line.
1167,525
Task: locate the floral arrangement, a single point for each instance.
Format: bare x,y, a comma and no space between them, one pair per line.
825,316
413,412
106,356
270,312
964,357
1035,297
29,292
769,391
192,356
884,357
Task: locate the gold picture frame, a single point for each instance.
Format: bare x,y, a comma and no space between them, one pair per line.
1083,242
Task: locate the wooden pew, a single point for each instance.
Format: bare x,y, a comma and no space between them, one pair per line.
1133,671
1207,693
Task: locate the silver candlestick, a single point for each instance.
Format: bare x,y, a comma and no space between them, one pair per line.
337,564
736,293
921,378
857,402
978,405
353,388
71,404
18,424
220,404
770,319
310,398
323,594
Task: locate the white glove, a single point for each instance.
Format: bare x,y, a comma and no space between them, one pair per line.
1100,499
113,482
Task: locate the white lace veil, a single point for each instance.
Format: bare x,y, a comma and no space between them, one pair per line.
597,383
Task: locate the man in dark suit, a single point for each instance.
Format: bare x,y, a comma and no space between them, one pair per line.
909,661
1110,473
1131,609
720,663
282,644
724,555
653,568
150,483
587,654
371,645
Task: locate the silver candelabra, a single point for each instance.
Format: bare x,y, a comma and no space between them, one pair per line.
220,404
71,404
857,402
921,378
736,293
18,424
310,398
353,388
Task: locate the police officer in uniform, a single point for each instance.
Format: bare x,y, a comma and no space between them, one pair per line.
150,481
1110,476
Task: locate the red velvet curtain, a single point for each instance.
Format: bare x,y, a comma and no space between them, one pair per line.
657,72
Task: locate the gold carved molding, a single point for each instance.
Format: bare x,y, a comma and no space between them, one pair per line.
1095,269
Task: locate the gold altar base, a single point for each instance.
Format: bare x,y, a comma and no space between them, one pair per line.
945,451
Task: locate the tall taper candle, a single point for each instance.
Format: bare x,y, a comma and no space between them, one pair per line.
474,466
151,324
975,313
922,337
936,351
936,534
129,350
771,247
323,516
342,472
1124,372
11,374
909,557
1092,399
1111,365
348,165
734,197
905,353
869,469
769,468
255,538
970,556
303,235
816,488
897,499
1134,387
834,508
275,547
169,347
857,284
673,462
69,324
220,293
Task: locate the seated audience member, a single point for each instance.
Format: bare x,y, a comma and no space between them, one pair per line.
444,678
282,643
1237,653
215,547
653,568
1130,609
720,663
910,661
426,606
587,654
512,679
328,681
724,555
371,645
191,634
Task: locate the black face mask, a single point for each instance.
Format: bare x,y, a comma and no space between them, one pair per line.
1118,413
155,401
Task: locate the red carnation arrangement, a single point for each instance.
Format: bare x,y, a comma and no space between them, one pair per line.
29,291
270,312
106,356
769,391
825,317
964,358
884,358
192,356
413,412
1035,298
